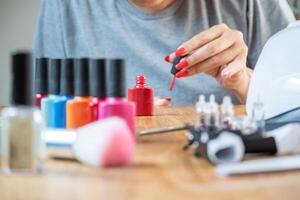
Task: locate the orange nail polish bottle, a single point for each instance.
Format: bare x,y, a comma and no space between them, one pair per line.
80,109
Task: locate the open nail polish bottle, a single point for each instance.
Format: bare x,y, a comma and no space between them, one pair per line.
143,96
116,104
66,94
22,147
97,84
80,109
41,80
54,86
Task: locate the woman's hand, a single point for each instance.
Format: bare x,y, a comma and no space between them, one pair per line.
220,52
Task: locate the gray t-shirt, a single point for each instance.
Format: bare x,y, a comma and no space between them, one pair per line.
116,29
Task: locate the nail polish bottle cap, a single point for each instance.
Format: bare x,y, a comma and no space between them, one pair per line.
81,77
97,78
41,75
67,77
116,78
22,88
54,76
141,80
177,60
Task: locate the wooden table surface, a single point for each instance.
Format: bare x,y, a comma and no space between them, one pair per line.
161,171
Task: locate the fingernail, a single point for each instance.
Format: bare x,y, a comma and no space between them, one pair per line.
182,73
179,51
167,58
225,73
182,64
168,99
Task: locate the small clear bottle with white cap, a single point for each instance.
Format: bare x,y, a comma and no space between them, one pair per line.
215,112
21,145
227,112
201,108
258,115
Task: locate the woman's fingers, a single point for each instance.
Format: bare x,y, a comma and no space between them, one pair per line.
209,50
212,63
236,65
198,41
235,75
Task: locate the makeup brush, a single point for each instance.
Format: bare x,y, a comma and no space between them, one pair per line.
102,144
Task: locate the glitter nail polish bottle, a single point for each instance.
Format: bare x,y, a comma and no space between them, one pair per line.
22,148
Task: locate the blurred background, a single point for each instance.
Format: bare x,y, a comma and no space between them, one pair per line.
18,21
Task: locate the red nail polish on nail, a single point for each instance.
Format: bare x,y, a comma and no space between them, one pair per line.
167,58
182,73
182,65
168,99
179,51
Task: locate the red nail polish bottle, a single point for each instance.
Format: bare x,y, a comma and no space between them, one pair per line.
41,80
97,78
143,96
80,109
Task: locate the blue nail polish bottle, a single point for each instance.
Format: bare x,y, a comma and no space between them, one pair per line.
54,86
66,94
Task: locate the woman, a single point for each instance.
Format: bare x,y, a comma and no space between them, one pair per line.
222,39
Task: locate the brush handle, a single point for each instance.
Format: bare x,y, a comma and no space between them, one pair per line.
60,138
276,164
155,131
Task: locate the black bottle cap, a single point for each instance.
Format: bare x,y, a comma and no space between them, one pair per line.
41,75
22,82
116,78
54,76
97,78
82,77
177,60
67,77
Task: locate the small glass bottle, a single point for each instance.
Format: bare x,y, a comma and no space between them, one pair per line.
54,87
97,84
22,148
59,105
80,109
116,105
258,115
143,96
41,80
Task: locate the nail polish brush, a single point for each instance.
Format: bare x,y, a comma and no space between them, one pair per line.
174,71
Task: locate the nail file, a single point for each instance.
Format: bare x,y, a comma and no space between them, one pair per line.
174,71
277,164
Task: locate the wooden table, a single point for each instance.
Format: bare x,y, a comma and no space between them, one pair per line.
161,171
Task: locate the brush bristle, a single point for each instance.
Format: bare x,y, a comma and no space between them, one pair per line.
105,143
